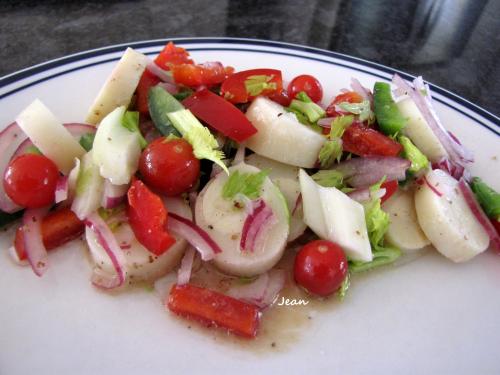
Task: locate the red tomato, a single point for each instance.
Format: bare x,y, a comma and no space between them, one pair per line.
364,141
234,89
320,267
147,81
214,309
219,114
308,84
30,180
207,74
349,97
147,216
496,224
169,166
172,55
390,188
281,97
58,227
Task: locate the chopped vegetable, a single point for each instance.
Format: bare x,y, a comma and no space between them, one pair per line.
307,84
161,103
488,198
329,178
248,184
257,224
86,141
214,309
348,97
418,160
303,104
332,149
362,109
130,121
361,140
389,119
220,115
265,82
203,142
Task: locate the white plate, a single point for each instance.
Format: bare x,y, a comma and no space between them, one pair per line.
429,316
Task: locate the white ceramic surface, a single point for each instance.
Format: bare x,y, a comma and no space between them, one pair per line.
428,316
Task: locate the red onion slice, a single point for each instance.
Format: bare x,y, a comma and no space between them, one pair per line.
109,243
432,187
169,87
361,90
298,203
164,75
10,139
365,194
33,243
62,188
184,272
256,224
193,234
364,172
458,154
326,122
479,214
263,291
277,279
113,195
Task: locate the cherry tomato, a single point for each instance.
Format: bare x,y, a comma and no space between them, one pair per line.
364,141
147,81
148,217
308,84
172,55
30,180
169,166
281,97
347,97
235,88
320,267
390,188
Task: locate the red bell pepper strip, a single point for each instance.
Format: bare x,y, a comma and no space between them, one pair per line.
219,114
263,81
214,309
390,188
172,55
148,218
364,141
58,227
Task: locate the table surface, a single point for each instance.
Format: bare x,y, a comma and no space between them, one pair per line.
454,44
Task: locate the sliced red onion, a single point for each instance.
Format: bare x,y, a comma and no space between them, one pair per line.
263,291
326,122
363,172
33,243
184,272
432,187
164,75
458,154
169,87
113,195
10,139
361,90
193,234
256,225
109,243
365,194
62,188
479,214
298,203
457,171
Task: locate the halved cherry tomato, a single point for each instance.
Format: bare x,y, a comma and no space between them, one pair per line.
281,97
58,227
169,166
30,180
219,114
234,89
390,188
364,141
207,74
349,97
308,84
320,267
147,216
172,55
147,81
214,309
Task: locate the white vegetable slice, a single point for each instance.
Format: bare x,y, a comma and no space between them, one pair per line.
404,232
49,135
89,187
281,136
447,220
116,149
333,216
141,264
119,87
286,178
419,132
224,222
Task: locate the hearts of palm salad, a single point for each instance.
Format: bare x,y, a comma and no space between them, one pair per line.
179,164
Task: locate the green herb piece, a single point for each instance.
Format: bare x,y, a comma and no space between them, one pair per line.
418,160
86,141
329,178
247,184
332,148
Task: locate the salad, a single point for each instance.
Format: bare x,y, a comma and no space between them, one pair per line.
198,168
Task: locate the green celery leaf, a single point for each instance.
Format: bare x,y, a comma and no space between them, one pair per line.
255,85
418,160
329,178
362,109
248,184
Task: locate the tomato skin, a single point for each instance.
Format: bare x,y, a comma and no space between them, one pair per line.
147,81
320,267
169,166
390,188
307,83
214,309
30,180
58,227
147,216
207,74
349,97
172,55
233,88
281,97
219,114
364,141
